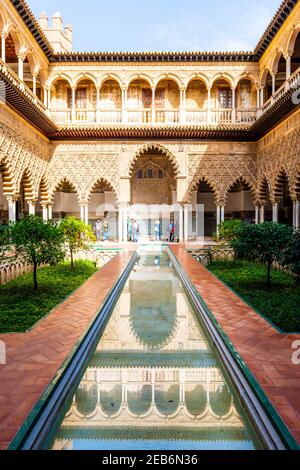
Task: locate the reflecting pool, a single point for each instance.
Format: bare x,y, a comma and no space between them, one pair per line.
154,381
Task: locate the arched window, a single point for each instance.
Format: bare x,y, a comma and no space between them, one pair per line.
160,174
140,174
149,173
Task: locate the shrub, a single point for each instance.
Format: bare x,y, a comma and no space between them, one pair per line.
228,230
291,256
38,242
77,234
262,242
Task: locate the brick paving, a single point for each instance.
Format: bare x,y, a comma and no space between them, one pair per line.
266,352
33,358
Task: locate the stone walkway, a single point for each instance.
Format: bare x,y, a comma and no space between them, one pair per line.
267,353
33,358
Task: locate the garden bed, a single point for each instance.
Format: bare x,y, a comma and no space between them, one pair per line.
280,303
21,307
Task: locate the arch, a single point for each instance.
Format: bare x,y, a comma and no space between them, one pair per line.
241,179
222,76
292,39
62,181
7,179
44,189
14,33
279,182
111,76
275,61
31,60
86,400
27,182
194,185
2,21
85,76
59,76
197,76
139,400
139,76
157,147
263,77
247,76
167,399
263,192
103,181
169,76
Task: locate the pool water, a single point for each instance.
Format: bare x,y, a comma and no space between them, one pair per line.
154,381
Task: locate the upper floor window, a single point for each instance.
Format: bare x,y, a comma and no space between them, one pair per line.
160,174
225,98
81,98
140,174
150,173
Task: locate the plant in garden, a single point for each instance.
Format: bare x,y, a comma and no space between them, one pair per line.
38,242
228,229
291,256
262,242
77,234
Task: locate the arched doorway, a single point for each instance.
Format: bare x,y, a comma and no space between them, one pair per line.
103,206
239,202
206,198
153,192
65,201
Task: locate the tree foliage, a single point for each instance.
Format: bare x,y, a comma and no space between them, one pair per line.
38,242
264,243
228,229
77,234
291,256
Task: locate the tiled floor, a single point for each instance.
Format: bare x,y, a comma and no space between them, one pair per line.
266,352
33,358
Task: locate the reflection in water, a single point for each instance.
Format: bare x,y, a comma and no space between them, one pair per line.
154,381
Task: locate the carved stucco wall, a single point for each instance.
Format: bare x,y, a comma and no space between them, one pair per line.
22,150
221,164
279,152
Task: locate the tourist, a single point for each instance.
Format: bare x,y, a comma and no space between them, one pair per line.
105,229
157,231
171,231
98,230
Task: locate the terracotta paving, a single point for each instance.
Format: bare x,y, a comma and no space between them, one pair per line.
267,353
33,358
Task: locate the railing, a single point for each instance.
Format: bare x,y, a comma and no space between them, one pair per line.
291,83
139,116
62,116
85,116
195,116
110,116
221,116
245,116
166,116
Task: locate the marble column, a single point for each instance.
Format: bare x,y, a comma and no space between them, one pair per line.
180,224
256,214
275,212
12,208
262,214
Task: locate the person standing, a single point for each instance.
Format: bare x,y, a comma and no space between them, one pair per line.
172,231
98,230
157,231
105,229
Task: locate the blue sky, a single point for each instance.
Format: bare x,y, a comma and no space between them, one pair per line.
165,25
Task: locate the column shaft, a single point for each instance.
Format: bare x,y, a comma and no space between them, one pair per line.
180,224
